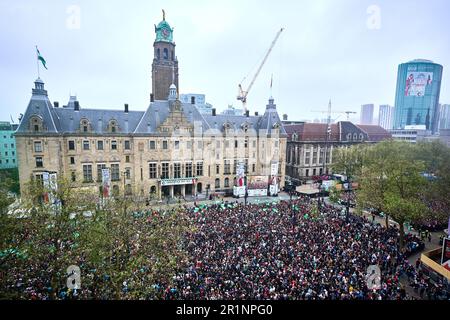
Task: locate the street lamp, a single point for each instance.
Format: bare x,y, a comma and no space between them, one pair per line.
348,191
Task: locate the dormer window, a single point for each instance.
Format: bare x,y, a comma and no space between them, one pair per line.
276,125
113,127
36,124
361,137
355,136
85,125
349,136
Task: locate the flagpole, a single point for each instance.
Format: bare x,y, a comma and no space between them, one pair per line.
37,62
271,81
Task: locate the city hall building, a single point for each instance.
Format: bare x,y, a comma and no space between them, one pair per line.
169,149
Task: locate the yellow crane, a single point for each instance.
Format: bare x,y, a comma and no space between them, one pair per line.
242,95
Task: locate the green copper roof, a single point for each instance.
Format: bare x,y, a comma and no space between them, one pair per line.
164,32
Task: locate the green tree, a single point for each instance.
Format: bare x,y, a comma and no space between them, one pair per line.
349,161
391,181
112,241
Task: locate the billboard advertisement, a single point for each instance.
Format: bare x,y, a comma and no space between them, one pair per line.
417,82
257,186
257,182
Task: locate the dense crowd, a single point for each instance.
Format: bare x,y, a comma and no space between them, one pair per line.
283,251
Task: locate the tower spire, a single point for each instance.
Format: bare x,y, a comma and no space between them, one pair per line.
164,15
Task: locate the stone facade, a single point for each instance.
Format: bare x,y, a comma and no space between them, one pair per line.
167,150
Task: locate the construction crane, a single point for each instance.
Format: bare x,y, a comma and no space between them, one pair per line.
242,95
348,113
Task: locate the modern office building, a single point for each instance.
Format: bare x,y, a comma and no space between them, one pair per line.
8,158
386,116
417,94
367,114
198,100
167,149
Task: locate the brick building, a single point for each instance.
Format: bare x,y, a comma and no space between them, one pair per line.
309,153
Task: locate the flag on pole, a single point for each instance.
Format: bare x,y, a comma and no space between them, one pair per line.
271,81
41,58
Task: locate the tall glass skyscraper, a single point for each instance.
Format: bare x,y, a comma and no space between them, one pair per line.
417,95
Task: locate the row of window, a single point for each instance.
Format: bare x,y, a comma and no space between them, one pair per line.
13,153
7,145
114,170
153,170
177,169
100,145
86,145
7,161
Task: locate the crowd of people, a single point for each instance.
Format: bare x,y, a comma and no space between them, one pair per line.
285,251
280,250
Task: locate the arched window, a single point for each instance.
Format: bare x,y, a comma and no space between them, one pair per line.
128,190
113,127
158,54
85,125
115,190
361,137
173,56
166,54
355,136
349,136
217,183
226,183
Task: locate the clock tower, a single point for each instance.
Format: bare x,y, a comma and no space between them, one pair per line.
165,63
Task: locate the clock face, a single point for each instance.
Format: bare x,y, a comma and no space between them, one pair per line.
165,33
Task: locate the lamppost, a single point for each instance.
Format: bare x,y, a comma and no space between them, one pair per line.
319,204
348,191
245,197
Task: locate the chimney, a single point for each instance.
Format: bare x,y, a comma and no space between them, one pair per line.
56,104
77,106
126,107
285,117
152,97
247,113
214,112
192,100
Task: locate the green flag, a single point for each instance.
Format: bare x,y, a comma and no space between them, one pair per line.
41,58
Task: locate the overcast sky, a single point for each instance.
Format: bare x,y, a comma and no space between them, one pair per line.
101,50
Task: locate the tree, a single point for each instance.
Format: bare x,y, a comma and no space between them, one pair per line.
435,156
123,252
391,181
349,161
